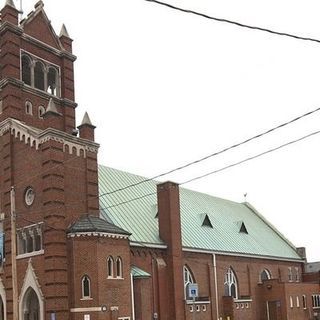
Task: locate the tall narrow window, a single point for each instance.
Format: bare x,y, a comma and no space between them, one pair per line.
297,274
119,267
52,81
26,70
86,287
290,276
39,76
291,302
230,284
41,112
29,240
187,278
110,267
28,106
304,301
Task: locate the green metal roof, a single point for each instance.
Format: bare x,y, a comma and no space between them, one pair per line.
139,273
227,218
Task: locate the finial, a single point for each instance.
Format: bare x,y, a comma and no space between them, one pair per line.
64,31
39,4
10,3
245,196
86,120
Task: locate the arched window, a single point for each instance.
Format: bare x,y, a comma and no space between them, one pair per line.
187,278
291,301
119,267
31,306
26,69
41,111
52,85
265,275
230,284
39,75
110,267
304,301
86,290
28,106
29,240
290,275
297,274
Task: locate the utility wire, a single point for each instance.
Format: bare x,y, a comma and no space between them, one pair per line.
221,169
259,135
175,169
188,164
242,25
252,157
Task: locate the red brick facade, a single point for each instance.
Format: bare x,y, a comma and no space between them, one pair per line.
65,272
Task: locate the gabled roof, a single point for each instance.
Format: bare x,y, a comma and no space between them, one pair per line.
90,223
138,217
38,26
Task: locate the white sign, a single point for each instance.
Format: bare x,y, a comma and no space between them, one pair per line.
86,317
193,290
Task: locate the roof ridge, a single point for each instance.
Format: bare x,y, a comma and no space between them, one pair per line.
256,212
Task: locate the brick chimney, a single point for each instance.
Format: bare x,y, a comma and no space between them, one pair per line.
170,233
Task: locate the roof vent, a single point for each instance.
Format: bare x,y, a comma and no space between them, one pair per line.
243,228
206,222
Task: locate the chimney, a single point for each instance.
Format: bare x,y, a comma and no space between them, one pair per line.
170,233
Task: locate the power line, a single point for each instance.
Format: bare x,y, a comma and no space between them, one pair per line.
242,25
221,169
259,135
177,168
252,157
131,200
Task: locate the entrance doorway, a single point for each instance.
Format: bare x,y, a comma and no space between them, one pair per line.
274,310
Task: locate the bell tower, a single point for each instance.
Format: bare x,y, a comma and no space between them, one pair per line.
51,164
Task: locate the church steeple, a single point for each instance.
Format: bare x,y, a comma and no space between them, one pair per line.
31,80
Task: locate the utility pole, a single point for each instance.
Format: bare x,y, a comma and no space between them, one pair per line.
14,255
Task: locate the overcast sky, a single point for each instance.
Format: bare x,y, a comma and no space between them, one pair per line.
165,88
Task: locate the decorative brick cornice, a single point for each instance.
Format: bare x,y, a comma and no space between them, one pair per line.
5,26
98,234
4,82
35,137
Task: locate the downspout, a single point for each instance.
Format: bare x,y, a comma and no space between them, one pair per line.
132,297
215,283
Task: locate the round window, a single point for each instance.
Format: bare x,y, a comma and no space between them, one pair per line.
29,196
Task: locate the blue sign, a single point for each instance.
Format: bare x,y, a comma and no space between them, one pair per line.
193,290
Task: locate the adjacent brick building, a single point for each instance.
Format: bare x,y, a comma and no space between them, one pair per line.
141,250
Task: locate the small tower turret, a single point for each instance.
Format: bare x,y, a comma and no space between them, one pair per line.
86,128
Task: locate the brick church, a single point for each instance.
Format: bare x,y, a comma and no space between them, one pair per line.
91,242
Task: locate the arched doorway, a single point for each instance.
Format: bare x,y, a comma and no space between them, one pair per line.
31,306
